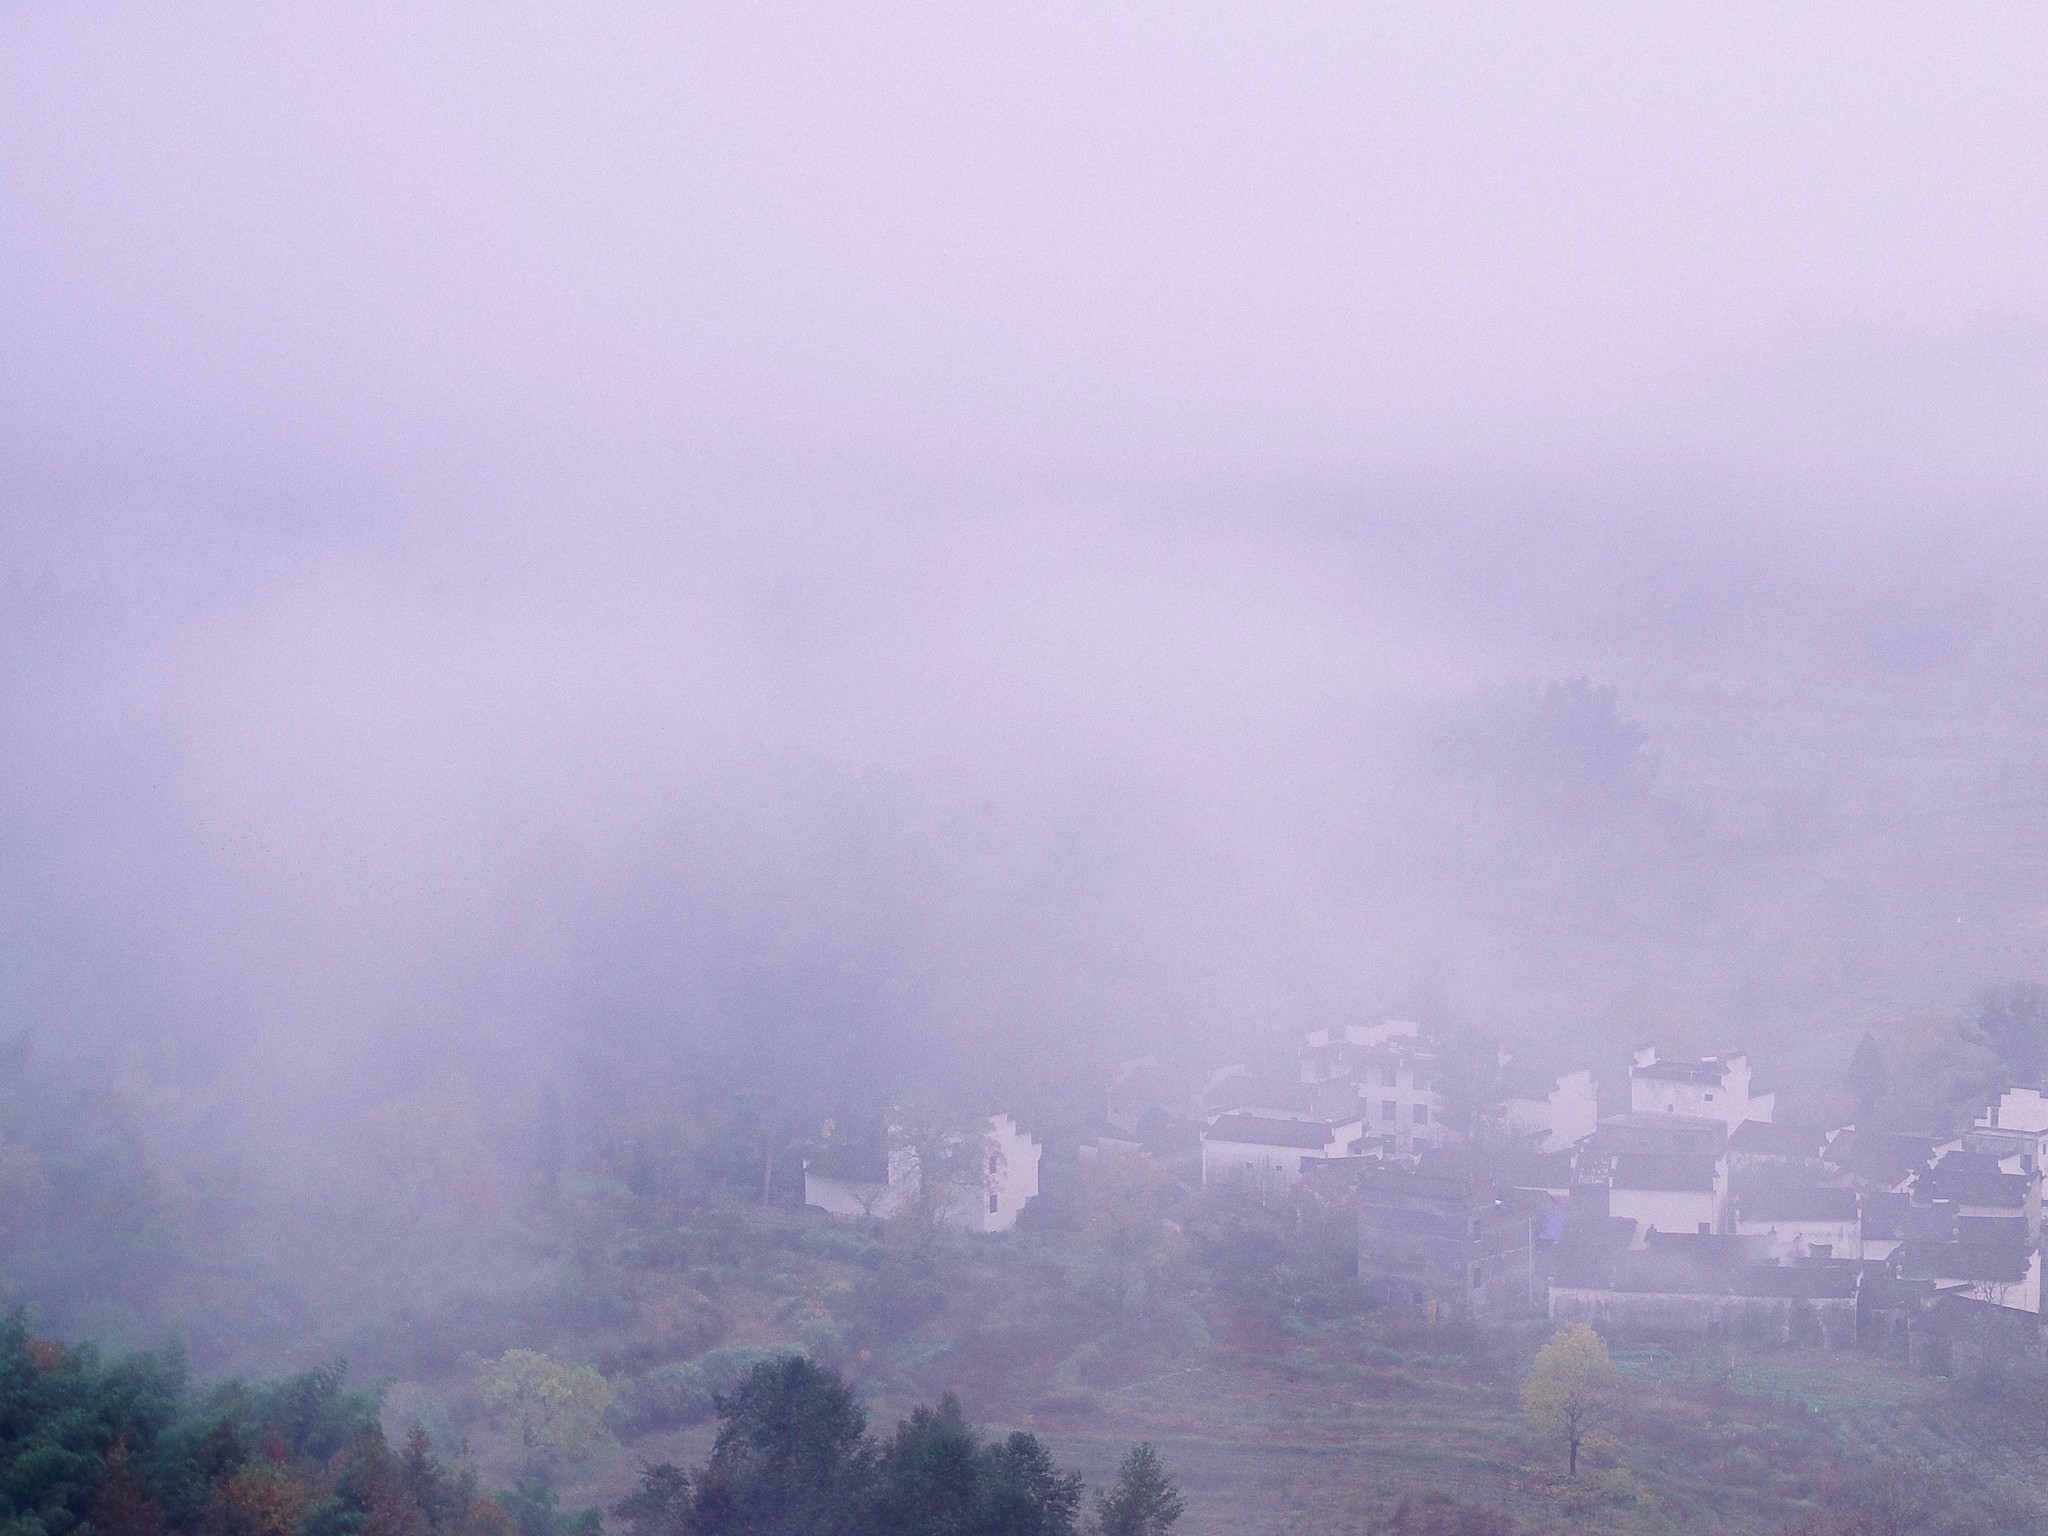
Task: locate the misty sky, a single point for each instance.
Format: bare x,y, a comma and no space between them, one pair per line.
431,434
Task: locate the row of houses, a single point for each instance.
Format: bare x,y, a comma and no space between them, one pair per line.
1692,1211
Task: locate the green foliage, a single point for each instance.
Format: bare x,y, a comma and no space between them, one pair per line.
679,1395
660,1504
793,1456
535,1510
557,1410
115,1449
1122,1233
1144,1501
1572,1387
899,1295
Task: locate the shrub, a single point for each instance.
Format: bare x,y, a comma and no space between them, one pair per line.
679,1395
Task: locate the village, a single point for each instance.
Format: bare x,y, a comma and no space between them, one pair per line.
1693,1214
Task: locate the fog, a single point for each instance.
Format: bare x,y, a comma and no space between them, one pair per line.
1018,535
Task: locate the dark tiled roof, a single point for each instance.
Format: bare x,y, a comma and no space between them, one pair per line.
1761,1138
1971,1178
1928,1224
1816,1281
1654,1171
1796,1202
1502,1163
2001,1231
1644,1132
1884,1214
1258,1131
1880,1157
1707,1250
1959,1261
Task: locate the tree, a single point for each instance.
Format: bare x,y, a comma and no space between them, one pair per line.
1122,1232
1144,1502
926,1478
660,1505
952,1154
556,1410
1572,1387
936,1478
1021,1492
792,1457
2013,1021
1868,1079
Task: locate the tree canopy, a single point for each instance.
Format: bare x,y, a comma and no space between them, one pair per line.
1571,1387
122,1447
793,1455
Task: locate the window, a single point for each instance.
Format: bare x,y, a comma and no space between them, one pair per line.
992,1203
1475,1276
1389,1077
1387,1109
1710,1098
1422,1114
1706,1227
995,1162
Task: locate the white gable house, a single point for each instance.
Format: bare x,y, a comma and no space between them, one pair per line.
876,1180
1708,1088
1268,1152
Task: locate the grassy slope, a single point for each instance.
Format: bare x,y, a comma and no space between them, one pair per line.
1298,1428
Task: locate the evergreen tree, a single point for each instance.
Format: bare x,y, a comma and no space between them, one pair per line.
792,1457
660,1506
1144,1501
1021,1492
927,1474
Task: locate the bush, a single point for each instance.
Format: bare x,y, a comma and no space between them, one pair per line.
901,1295
680,1395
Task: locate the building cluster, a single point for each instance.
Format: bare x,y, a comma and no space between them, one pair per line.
1690,1211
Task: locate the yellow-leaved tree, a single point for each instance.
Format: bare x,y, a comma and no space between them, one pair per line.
1572,1387
556,1410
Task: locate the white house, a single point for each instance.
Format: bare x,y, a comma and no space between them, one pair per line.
1013,1155
875,1181
1710,1088
1389,1070
1802,1220
1269,1153
1563,1118
1668,1192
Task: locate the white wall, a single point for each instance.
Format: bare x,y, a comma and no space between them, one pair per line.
1012,1178
1011,1183
1276,1167
1728,1100
1574,1111
1844,1236
1668,1210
